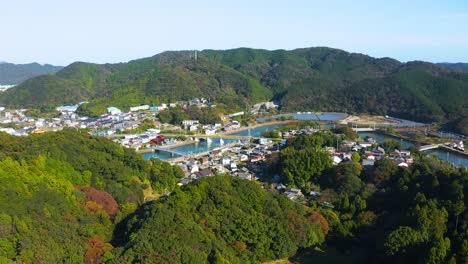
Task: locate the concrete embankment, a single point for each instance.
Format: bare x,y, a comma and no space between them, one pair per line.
178,144
144,151
259,125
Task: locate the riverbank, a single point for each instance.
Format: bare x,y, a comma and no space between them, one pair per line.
454,150
384,132
144,151
309,116
178,144
271,123
174,160
421,142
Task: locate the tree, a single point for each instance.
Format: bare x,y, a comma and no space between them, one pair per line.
355,157
383,171
345,177
300,166
390,145
403,240
438,252
348,132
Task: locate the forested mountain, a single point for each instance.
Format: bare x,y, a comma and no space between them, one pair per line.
11,74
461,67
62,193
301,80
68,197
385,213
220,220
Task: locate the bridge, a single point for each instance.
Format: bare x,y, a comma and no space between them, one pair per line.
428,147
223,136
171,151
363,129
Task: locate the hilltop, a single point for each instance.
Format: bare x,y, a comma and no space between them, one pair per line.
308,79
11,74
220,220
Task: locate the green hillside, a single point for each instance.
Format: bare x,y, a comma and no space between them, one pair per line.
16,73
68,197
322,79
220,220
63,193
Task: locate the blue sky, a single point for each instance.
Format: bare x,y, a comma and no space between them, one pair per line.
60,32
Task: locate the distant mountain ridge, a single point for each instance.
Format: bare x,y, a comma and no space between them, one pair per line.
307,79
459,66
11,74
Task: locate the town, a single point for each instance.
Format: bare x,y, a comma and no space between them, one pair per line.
227,152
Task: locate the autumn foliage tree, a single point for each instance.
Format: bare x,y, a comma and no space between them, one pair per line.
96,249
97,200
317,218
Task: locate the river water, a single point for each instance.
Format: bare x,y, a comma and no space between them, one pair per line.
452,157
203,146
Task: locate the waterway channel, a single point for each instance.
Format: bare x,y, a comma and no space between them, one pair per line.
203,145
451,157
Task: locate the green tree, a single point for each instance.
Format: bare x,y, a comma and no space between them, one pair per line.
390,145
402,241
356,157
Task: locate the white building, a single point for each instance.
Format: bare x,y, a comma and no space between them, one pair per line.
113,111
210,131
226,160
236,114
67,108
187,123
139,108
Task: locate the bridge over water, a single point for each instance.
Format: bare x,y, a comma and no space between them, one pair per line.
171,151
224,136
363,129
428,147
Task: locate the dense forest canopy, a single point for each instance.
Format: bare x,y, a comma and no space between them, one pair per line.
220,220
322,79
386,213
104,164
70,197
62,194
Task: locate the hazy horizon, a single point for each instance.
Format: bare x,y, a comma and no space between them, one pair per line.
59,33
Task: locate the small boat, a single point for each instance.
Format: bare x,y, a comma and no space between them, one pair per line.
221,141
209,140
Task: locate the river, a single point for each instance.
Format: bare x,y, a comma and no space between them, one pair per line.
203,145
452,157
